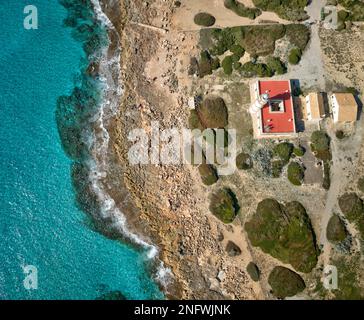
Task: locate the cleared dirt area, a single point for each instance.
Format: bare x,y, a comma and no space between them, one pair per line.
183,19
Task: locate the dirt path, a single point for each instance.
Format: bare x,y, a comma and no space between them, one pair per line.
311,70
345,160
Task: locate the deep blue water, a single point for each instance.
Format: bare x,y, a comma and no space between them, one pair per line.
40,223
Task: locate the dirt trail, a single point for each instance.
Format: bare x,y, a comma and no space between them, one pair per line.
345,160
310,71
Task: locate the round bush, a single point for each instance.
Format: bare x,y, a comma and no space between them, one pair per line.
295,173
253,271
285,283
204,19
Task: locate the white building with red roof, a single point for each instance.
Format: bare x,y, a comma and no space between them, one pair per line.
272,109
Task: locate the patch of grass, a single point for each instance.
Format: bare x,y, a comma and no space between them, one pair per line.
204,19
244,161
285,232
213,113
253,271
295,173
224,205
285,282
242,10
336,230
208,174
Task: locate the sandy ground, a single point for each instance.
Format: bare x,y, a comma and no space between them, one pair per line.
183,20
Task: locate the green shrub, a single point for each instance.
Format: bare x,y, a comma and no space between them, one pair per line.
340,134
351,206
204,19
320,145
294,56
276,65
242,10
205,64
244,161
299,151
295,173
284,232
251,69
253,271
361,184
237,50
227,65
213,113
285,283
336,230
224,205
283,150
326,183
208,174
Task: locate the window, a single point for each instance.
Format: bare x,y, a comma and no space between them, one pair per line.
276,106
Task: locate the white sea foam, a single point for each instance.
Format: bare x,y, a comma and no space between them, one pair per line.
99,144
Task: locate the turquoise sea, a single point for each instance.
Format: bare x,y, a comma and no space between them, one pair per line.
40,220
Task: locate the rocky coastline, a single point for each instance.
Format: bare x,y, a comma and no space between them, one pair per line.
167,205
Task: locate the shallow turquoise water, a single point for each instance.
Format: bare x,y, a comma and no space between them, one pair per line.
40,223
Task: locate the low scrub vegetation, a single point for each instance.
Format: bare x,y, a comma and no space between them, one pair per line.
285,232
293,10
336,230
244,161
241,10
213,113
256,40
353,209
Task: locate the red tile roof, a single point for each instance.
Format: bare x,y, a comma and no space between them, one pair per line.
278,122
